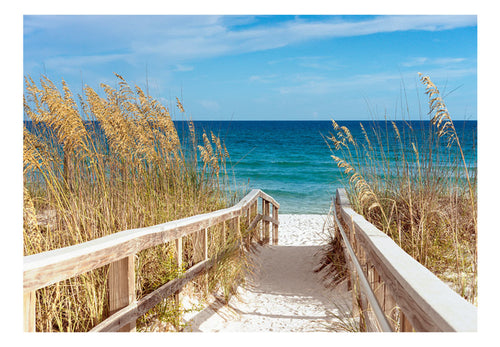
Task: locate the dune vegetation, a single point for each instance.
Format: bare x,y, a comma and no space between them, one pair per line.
418,187
108,161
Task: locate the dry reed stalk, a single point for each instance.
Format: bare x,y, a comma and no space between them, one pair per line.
114,163
416,202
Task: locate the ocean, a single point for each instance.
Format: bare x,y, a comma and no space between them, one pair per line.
291,161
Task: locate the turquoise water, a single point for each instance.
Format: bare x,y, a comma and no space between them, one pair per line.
291,161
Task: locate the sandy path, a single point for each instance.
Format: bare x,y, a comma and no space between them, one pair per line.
284,293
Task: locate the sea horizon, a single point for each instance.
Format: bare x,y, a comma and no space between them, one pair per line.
291,159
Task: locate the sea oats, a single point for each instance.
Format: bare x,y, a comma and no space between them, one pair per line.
124,169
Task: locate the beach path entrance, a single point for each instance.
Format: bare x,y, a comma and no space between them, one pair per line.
284,292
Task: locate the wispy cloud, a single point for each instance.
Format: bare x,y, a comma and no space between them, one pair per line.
86,59
387,81
419,61
180,38
319,84
448,61
212,37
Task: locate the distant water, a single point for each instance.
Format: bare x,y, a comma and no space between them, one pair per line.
291,161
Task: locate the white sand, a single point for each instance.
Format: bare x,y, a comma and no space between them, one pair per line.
284,293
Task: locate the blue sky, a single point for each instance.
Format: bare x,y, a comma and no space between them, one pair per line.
244,67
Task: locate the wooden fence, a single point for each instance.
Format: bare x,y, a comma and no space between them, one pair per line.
391,290
118,250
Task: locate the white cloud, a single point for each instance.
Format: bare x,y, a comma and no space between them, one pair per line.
448,61
184,37
85,59
419,61
177,39
450,73
386,81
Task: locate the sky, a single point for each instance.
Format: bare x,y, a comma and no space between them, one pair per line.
265,67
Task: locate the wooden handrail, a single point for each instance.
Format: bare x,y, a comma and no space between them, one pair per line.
426,302
43,269
364,284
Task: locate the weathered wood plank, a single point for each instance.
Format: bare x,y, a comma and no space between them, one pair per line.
237,227
118,320
121,283
255,221
427,302
265,216
275,222
29,311
178,294
390,308
270,219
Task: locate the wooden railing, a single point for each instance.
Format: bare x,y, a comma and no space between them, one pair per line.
118,250
391,290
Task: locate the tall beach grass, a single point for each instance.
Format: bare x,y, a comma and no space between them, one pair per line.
417,186
104,162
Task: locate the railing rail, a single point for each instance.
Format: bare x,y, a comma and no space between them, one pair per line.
363,281
410,296
43,269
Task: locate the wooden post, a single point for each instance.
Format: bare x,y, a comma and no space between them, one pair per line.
255,209
390,307
29,307
378,287
405,325
177,296
248,214
178,249
199,245
205,243
275,226
355,296
121,283
204,256
237,229
265,212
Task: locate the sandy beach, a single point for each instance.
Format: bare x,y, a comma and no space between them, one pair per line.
284,293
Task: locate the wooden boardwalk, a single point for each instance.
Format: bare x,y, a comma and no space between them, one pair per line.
390,291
